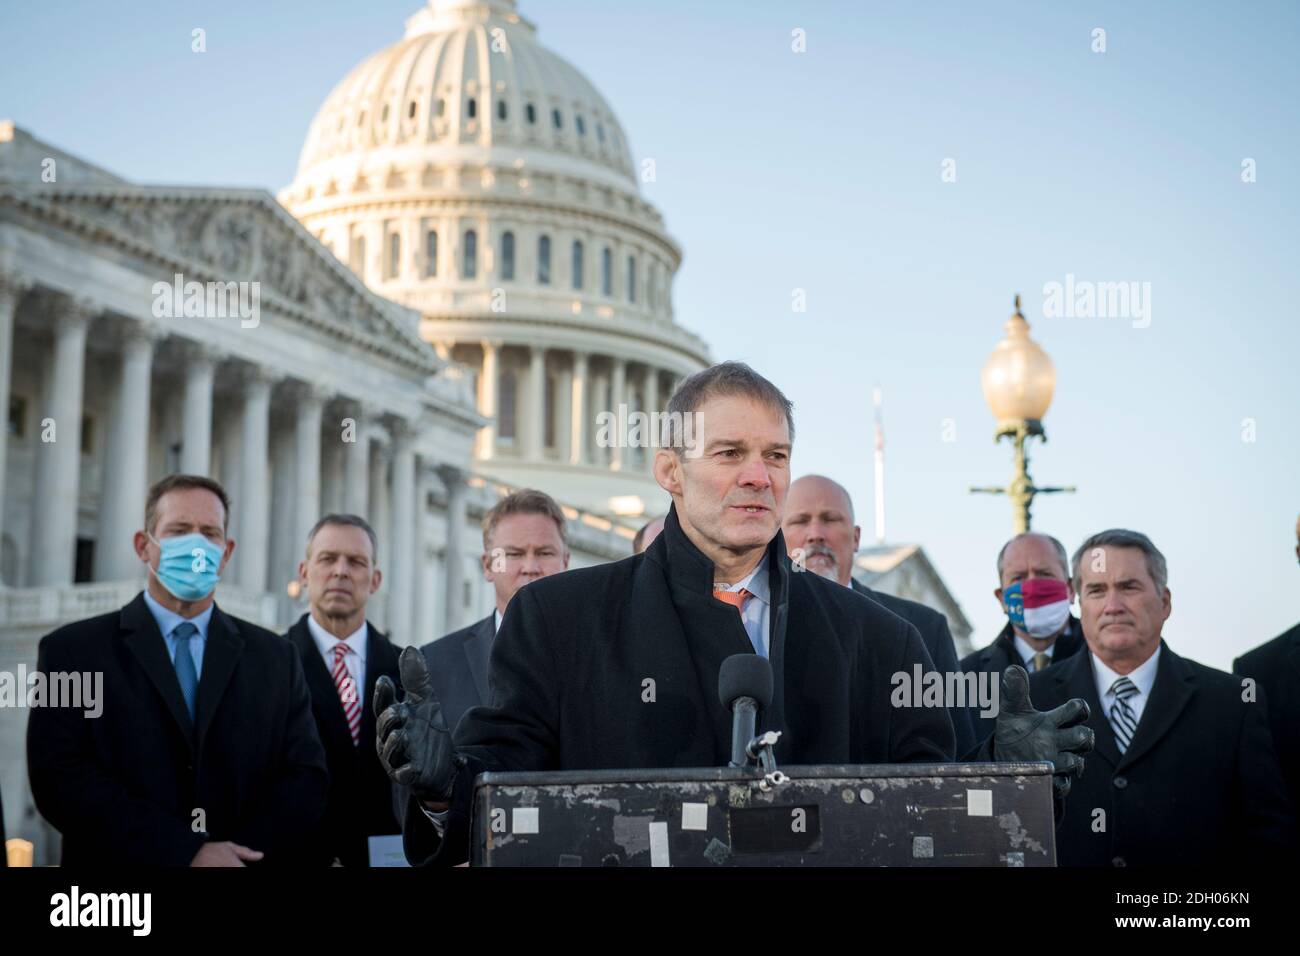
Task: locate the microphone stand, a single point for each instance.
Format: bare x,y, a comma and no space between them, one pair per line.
751,750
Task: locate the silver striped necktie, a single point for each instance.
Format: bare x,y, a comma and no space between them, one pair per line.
1122,719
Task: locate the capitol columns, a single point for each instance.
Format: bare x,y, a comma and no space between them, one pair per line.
196,442
454,556
425,628
562,409
283,550
307,459
58,465
356,480
651,390
578,411
255,509
487,399
401,570
229,446
535,428
12,288
651,406
333,452
378,511
127,476
617,396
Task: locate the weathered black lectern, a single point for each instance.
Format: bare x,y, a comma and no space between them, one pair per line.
974,814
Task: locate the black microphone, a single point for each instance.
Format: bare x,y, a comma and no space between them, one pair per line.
745,688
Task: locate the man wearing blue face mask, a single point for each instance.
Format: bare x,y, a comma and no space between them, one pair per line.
204,752
1035,593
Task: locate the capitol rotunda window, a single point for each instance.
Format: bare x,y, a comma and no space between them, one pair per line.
469,264
544,260
577,264
431,253
508,256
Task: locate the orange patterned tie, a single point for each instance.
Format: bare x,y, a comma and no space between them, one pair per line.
735,598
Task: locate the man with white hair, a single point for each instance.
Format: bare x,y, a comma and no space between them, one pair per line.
1184,772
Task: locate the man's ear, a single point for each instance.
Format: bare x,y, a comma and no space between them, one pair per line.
485,559
225,555
857,537
376,579
667,470
141,543
997,593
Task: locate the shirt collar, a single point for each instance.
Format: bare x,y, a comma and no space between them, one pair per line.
756,583
1026,651
1143,676
496,619
325,641
168,620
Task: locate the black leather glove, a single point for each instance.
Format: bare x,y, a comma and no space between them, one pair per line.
1025,734
414,743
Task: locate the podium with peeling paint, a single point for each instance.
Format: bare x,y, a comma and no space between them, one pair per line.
971,814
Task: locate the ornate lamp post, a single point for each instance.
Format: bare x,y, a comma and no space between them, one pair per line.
1018,381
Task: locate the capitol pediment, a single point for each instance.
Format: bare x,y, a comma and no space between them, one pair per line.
243,236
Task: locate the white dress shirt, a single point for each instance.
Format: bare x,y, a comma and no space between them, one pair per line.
1027,653
756,612
1143,677
354,662
496,616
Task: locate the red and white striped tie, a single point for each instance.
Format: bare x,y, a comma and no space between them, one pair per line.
347,689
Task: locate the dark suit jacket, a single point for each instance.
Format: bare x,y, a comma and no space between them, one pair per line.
124,788
616,666
360,796
938,641
458,664
1002,653
1199,783
1275,666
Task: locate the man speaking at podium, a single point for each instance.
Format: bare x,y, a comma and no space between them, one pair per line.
616,666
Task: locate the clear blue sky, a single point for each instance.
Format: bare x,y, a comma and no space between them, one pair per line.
821,171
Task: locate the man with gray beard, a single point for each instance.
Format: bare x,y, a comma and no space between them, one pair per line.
819,529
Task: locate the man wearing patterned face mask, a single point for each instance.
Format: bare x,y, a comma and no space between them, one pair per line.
204,750
1035,593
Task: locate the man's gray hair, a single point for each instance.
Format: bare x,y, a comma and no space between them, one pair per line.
725,378
1060,551
351,521
1123,538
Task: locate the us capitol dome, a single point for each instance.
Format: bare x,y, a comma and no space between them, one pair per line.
475,176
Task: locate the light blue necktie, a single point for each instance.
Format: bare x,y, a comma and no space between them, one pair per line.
185,670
